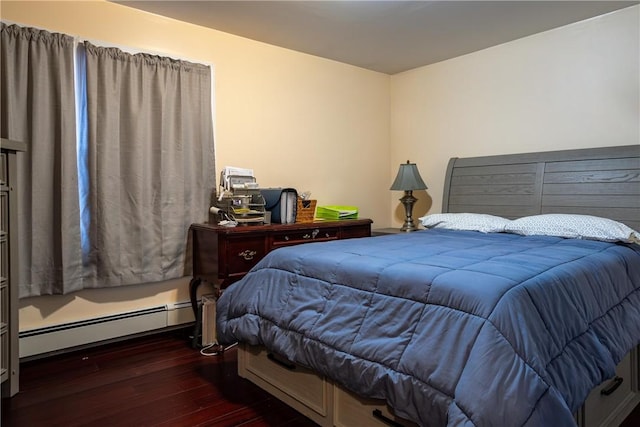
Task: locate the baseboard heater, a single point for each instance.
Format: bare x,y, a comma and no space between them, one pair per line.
63,337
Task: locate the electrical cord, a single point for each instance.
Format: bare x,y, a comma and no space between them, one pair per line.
226,218
220,349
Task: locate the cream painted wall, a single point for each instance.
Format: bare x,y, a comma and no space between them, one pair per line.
572,87
297,120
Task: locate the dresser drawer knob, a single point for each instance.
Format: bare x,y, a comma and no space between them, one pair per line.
247,254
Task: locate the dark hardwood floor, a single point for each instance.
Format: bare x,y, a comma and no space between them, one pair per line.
157,380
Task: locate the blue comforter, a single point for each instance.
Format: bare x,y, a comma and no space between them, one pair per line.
450,327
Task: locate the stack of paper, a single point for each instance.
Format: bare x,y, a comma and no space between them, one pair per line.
233,177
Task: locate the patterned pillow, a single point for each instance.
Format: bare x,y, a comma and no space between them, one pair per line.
574,227
466,221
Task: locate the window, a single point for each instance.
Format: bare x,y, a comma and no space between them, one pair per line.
141,146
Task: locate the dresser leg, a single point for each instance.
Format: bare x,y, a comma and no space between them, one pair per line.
193,296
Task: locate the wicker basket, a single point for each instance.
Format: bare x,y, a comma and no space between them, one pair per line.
306,210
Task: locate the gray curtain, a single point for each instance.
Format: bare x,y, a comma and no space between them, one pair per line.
37,107
151,163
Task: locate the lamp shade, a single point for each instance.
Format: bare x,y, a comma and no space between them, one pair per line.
408,178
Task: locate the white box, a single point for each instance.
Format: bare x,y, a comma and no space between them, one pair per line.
209,335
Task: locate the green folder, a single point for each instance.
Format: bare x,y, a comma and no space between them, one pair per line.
336,212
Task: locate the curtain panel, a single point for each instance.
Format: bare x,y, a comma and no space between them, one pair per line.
151,164
37,106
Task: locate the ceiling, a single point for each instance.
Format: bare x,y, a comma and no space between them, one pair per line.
385,36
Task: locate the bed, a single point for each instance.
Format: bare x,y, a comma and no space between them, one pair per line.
493,323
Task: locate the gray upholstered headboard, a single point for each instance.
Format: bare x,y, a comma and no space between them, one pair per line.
598,181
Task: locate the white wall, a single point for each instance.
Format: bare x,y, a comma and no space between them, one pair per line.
572,87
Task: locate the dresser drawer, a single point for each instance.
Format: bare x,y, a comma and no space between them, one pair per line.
351,410
3,169
241,254
4,258
4,212
4,301
4,352
356,231
294,237
608,401
299,387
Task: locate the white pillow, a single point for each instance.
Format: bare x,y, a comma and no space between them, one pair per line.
574,227
466,221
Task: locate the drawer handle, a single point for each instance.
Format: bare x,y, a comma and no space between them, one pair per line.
615,383
286,365
247,255
313,234
377,413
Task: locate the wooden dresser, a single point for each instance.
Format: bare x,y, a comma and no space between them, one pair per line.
9,365
223,255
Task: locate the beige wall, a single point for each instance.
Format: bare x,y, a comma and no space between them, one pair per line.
572,87
297,120
340,131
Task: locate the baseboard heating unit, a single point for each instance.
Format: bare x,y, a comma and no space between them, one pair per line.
58,338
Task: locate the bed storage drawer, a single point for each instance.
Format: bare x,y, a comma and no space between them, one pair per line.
299,387
351,410
610,402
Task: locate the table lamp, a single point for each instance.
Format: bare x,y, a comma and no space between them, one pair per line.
407,180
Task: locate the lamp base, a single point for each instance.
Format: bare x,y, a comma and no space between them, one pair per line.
408,227
408,201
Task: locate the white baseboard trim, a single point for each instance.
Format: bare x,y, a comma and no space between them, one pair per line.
85,332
